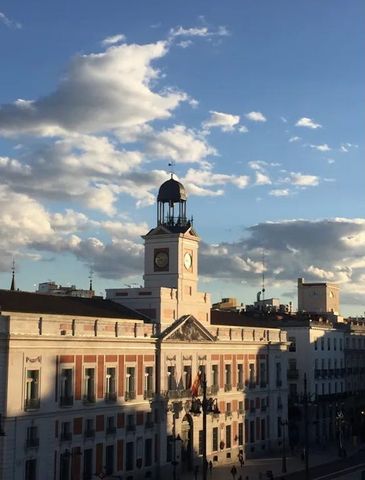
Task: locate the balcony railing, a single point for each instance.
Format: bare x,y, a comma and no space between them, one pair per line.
240,386
66,401
250,384
111,430
110,397
89,433
66,436
213,390
131,428
317,373
227,387
88,399
293,374
129,395
32,403
148,425
147,394
228,414
279,383
32,442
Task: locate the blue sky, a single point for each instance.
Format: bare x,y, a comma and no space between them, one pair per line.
260,104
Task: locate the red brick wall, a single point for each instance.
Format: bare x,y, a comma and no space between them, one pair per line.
78,377
100,391
121,375
140,375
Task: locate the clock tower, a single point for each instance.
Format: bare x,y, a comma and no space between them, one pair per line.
171,248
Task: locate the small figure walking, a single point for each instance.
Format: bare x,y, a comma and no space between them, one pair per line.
234,472
210,467
196,471
240,459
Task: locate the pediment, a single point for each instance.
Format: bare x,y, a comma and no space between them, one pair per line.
160,230
187,329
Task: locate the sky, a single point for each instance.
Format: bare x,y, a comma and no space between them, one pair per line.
258,104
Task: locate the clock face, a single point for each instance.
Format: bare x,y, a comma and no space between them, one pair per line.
188,261
161,260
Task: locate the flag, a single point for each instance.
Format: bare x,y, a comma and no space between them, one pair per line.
196,385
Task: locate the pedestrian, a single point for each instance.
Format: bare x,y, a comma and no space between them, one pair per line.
240,459
234,472
196,472
210,466
240,477
247,478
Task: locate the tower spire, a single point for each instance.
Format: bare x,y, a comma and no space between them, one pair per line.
12,286
91,279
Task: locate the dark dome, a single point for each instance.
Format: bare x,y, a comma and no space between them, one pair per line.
171,191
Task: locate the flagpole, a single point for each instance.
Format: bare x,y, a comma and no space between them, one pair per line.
205,404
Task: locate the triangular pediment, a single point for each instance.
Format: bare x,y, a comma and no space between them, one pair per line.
187,329
160,230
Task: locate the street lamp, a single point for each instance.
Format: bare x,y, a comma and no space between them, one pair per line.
340,419
283,423
205,406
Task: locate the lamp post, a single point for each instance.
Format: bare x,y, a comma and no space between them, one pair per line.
204,406
283,423
340,420
306,439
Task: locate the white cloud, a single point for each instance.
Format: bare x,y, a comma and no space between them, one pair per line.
225,121
262,179
113,39
103,91
255,117
320,273
279,192
330,161
307,123
302,180
203,31
345,147
321,148
294,139
8,22
178,143
197,181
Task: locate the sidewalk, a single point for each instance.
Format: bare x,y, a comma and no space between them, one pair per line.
294,463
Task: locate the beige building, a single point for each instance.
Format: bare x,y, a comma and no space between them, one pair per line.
94,389
318,297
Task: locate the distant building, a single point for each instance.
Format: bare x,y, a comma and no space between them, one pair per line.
52,288
226,304
318,297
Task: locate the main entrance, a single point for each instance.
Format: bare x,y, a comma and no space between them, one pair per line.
187,443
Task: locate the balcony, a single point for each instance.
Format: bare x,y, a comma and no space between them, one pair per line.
148,394
240,386
324,373
250,384
227,387
66,436
129,395
111,430
317,373
32,442
32,404
148,425
89,433
331,373
213,390
228,414
110,397
131,427
293,374
66,401
88,399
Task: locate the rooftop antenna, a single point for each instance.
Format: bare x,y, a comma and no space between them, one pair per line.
91,279
263,275
172,168
12,286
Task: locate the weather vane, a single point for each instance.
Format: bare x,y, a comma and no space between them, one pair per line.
172,168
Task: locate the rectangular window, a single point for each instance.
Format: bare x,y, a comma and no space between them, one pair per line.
32,437
31,469
187,377
148,452
328,343
129,454
201,443
228,436
215,439
171,378
65,465
88,464
109,459
215,381
148,382
240,376
262,429
240,434
335,344
89,428
252,374
228,378
262,374
32,390
89,385
279,427
278,374
130,393
110,383
66,387
110,425
66,432
252,431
